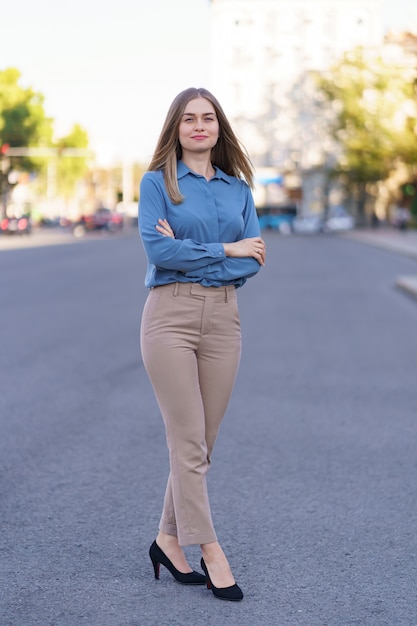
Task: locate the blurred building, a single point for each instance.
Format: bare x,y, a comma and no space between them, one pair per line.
262,53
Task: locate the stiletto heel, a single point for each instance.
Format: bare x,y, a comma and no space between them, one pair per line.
233,593
156,567
157,557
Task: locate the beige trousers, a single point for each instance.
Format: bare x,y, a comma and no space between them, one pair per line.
191,344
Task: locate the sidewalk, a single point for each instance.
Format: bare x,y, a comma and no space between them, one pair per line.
400,242
38,238
56,237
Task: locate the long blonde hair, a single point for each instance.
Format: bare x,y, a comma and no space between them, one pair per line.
228,154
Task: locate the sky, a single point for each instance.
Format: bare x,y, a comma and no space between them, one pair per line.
114,67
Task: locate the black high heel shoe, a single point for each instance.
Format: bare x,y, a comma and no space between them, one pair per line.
234,592
158,557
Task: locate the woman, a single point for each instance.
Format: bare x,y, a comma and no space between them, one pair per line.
200,232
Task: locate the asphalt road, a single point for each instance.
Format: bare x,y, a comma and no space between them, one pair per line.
313,482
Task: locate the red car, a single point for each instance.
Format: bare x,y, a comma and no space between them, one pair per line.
18,223
102,219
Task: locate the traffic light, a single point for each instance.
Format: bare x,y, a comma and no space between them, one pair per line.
4,148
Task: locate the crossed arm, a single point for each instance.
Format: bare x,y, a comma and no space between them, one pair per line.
250,247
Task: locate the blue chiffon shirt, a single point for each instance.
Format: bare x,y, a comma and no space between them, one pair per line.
213,212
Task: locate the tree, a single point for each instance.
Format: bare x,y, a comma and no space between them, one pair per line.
71,168
23,122
24,125
374,119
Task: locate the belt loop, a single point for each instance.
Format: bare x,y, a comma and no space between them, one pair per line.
226,299
176,287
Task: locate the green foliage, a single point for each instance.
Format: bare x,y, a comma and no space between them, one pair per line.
23,121
373,116
71,169
24,124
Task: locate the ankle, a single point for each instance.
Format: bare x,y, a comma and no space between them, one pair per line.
163,539
212,552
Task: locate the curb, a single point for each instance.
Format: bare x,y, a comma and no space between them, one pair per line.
408,284
405,247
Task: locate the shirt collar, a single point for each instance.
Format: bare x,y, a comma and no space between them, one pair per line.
183,170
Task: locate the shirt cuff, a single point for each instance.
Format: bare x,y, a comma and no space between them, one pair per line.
216,250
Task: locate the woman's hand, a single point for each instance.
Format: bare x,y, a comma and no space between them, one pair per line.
253,246
165,229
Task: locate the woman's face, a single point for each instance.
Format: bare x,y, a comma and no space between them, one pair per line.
199,127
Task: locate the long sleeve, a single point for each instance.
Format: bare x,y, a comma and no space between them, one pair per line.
164,252
213,212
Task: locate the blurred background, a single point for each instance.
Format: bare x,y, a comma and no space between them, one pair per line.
323,94
321,435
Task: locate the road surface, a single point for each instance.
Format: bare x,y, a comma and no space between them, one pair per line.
313,481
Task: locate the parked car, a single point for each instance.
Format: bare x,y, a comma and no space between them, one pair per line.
338,220
55,222
16,220
307,224
102,219
277,217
